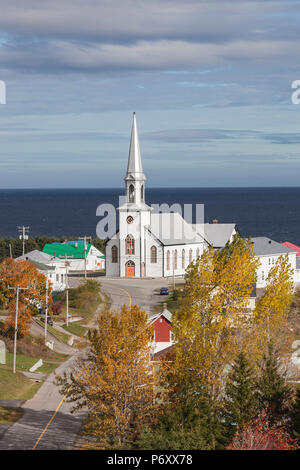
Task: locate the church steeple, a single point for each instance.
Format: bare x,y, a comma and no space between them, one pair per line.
135,177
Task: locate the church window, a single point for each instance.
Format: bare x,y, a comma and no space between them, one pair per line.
190,255
142,193
168,260
153,254
183,259
175,259
114,254
129,245
131,193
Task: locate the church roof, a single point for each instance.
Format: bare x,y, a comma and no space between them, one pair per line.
218,234
134,168
172,229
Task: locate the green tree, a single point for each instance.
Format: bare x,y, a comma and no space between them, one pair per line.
295,418
240,403
273,392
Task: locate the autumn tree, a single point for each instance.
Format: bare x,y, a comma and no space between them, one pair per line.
115,380
216,293
272,309
21,273
240,402
262,433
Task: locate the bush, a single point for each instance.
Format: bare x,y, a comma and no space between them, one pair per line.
57,307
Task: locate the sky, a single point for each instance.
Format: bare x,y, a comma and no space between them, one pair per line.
210,82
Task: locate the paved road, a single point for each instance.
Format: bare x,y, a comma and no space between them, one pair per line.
61,433
137,291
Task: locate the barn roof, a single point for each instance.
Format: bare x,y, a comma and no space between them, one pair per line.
62,250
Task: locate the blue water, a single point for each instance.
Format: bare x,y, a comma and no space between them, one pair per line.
273,212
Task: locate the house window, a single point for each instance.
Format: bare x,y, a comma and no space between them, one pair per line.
197,253
62,278
269,261
129,245
262,276
57,277
131,193
272,260
190,255
168,260
183,259
175,259
114,254
153,254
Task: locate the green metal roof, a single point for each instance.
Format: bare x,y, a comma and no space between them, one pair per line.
61,250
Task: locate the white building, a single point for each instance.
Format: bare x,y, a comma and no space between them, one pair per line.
77,254
51,267
268,251
151,244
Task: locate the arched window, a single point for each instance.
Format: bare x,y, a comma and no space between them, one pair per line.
197,252
153,254
114,254
142,193
129,245
190,255
131,193
175,259
168,260
183,258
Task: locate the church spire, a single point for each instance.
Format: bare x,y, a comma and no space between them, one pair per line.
134,168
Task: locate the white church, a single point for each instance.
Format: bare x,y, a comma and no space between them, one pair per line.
150,244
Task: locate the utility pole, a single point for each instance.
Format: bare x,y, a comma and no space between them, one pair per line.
23,235
67,264
10,251
46,309
18,288
85,238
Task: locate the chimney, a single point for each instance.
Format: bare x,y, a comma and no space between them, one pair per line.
165,306
215,221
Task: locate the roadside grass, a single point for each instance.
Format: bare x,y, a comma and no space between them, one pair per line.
63,337
75,328
24,363
16,386
10,415
172,300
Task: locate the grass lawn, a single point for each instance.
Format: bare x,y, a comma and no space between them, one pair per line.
24,363
75,329
16,386
9,415
58,334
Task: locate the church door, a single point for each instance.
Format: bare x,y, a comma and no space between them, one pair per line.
130,269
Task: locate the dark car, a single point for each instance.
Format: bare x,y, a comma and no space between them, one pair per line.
49,320
164,291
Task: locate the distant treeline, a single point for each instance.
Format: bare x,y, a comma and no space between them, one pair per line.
36,243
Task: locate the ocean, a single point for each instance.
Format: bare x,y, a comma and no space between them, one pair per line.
271,212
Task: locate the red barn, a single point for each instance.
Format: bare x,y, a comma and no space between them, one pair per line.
162,325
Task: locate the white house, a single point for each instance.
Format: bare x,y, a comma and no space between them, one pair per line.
150,244
77,254
51,267
268,251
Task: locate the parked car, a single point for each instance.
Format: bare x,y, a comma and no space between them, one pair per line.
164,291
49,320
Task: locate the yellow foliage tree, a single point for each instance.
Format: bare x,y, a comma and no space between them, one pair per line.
216,293
114,381
272,309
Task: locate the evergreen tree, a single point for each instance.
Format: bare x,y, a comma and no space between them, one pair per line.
240,403
272,390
